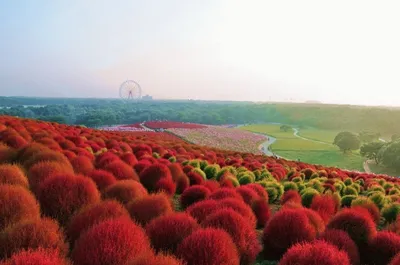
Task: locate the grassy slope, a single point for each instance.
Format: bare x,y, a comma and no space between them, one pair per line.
291,147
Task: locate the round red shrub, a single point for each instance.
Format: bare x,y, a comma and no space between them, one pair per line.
130,159
195,178
16,204
240,207
32,234
176,171
382,248
359,225
43,170
202,209
248,194
145,209
208,246
212,185
286,228
125,191
166,232
121,170
317,252
395,260
325,206
13,175
82,165
194,194
262,211
182,183
259,189
315,220
224,193
105,158
93,214
102,178
151,175
112,242
371,208
46,155
151,259
36,257
166,185
62,195
242,233
291,196
343,242
141,165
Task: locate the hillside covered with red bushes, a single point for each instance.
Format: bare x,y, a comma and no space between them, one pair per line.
74,195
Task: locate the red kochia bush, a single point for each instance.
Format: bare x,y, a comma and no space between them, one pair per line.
130,159
166,185
382,248
166,232
249,195
224,193
145,209
212,185
240,207
151,175
343,242
395,260
259,189
111,242
121,170
43,170
94,214
82,165
125,191
195,178
104,159
32,234
176,171
291,196
182,183
243,235
16,204
325,206
155,260
194,194
13,175
208,246
102,178
62,195
36,257
317,252
359,225
202,209
286,228
262,211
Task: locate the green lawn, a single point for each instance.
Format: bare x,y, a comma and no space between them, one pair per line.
291,147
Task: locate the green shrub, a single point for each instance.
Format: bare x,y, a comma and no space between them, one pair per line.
211,171
349,190
339,186
201,172
172,159
394,191
156,155
290,185
388,186
376,188
245,179
347,200
272,194
226,169
307,195
348,181
315,184
195,163
360,200
379,199
301,186
203,164
314,176
297,180
390,212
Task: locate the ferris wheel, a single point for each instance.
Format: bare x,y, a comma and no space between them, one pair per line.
130,90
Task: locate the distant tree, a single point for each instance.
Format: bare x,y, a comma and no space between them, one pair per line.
285,128
389,155
371,150
347,141
367,137
395,137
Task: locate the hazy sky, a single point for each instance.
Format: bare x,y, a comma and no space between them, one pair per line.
333,51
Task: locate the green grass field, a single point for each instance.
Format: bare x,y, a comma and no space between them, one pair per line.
291,147
379,169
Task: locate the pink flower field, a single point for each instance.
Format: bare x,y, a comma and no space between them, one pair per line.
222,138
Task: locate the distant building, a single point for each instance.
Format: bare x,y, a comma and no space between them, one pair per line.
147,97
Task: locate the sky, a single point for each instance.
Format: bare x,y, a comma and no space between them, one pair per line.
345,52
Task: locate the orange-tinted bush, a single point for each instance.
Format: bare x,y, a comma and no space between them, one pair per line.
16,204
13,175
125,191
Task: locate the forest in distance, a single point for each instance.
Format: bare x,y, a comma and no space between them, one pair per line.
93,112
